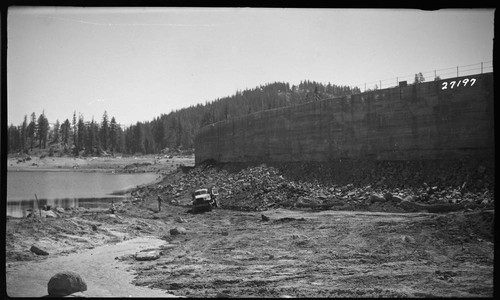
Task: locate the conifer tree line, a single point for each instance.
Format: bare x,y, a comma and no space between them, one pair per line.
175,130
77,137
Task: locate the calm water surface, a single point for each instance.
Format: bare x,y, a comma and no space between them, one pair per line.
67,189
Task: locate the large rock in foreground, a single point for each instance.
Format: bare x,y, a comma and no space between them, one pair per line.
66,283
38,251
177,231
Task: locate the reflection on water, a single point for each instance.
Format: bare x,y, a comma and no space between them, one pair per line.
68,189
57,185
20,209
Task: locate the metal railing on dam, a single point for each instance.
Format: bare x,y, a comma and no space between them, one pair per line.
433,75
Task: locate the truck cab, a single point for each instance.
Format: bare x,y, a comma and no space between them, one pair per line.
205,197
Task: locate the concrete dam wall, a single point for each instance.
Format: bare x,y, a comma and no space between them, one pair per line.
449,118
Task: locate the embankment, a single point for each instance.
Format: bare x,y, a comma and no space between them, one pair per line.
445,119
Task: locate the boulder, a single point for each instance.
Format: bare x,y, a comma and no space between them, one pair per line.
409,198
48,214
396,199
31,214
408,239
377,198
307,202
150,255
388,196
179,219
408,206
60,210
167,246
333,202
177,231
38,251
322,196
66,283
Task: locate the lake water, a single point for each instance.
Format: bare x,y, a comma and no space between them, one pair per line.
67,189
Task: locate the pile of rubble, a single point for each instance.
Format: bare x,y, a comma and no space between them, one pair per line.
261,187
473,173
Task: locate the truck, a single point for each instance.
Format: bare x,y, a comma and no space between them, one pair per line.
205,199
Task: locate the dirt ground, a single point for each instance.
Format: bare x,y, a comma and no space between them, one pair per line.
278,252
325,254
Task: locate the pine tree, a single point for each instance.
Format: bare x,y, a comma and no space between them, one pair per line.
104,133
120,139
138,138
81,134
32,131
92,138
419,78
158,133
171,137
55,130
75,134
13,134
316,93
65,132
113,135
43,130
24,133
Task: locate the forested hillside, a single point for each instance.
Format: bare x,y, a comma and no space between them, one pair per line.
175,130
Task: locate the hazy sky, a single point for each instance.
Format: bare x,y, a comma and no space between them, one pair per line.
138,63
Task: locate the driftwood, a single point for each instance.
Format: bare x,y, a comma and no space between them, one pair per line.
37,204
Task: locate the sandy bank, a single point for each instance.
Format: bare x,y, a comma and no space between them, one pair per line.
105,276
147,163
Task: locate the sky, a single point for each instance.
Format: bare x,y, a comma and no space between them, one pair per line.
138,63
